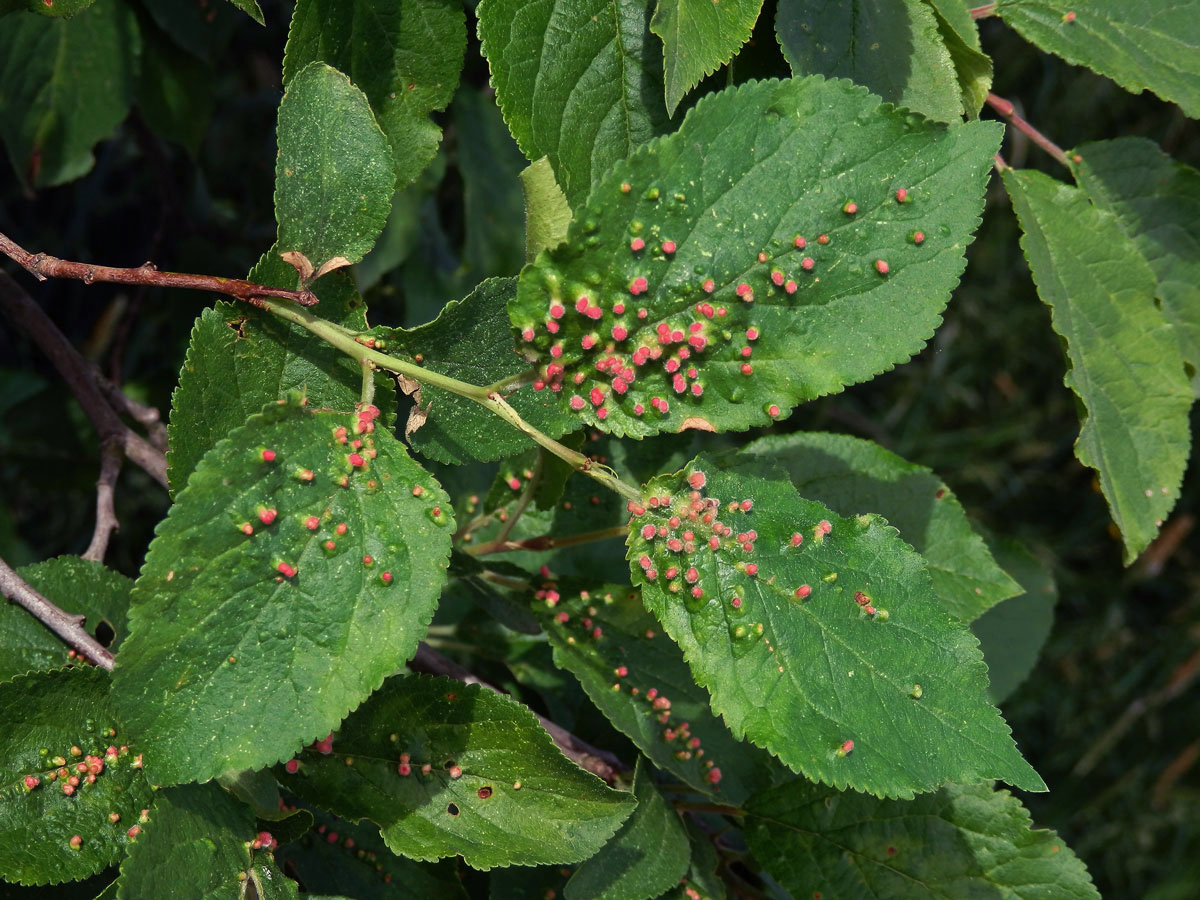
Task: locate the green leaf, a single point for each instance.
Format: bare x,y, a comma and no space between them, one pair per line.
405,56
496,791
75,585
751,173
637,677
471,341
490,164
578,81
547,214
701,881
644,858
1011,634
204,31
250,8
1140,44
851,476
58,9
258,620
698,37
818,637
973,66
67,85
349,857
962,841
240,359
195,846
333,173
52,721
892,47
1123,356
1157,203
175,93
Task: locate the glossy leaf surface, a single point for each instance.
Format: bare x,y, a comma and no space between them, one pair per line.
1157,202
638,678
76,586
644,858
1141,45
404,55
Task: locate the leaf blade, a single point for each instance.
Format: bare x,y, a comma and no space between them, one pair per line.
497,791
756,167
333,173
1139,45
291,620
593,67
1124,359
895,49
964,840
699,37
847,687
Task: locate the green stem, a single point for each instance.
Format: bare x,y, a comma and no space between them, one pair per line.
485,396
368,383
505,581
524,500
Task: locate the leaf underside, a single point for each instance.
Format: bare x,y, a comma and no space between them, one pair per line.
1139,44
1124,359
682,298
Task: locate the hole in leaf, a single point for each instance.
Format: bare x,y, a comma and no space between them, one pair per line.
452,809
105,633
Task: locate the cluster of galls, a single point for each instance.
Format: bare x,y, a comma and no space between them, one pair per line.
619,341
357,461
659,704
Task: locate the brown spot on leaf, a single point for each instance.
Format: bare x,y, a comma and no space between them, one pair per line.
698,423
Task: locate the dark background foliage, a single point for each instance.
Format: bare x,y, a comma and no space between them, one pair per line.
1109,716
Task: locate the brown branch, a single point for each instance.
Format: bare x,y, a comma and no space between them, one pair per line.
78,374
1006,111
111,459
599,762
69,628
42,265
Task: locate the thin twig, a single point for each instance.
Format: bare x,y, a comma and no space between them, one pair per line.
1181,679
531,486
42,265
548,542
78,374
599,762
69,628
149,417
111,459
1006,111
